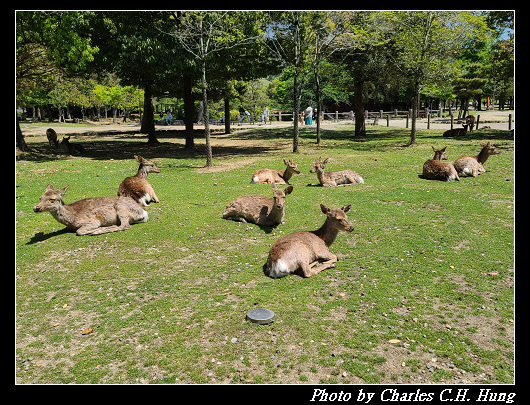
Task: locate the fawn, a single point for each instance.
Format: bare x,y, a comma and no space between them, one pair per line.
259,210
275,176
435,169
298,252
91,216
72,148
137,186
52,137
456,131
332,179
472,165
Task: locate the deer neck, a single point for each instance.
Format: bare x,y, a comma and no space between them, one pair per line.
483,155
287,174
327,233
276,214
63,214
320,176
437,156
142,172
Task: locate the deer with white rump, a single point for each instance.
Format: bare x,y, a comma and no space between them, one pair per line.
137,187
275,176
473,165
298,252
91,216
259,210
332,179
435,169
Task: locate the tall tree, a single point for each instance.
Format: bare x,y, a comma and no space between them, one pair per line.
428,42
289,37
204,35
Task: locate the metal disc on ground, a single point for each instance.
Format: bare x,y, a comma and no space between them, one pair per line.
262,316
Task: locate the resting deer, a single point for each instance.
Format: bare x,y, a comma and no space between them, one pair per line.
259,210
137,186
72,148
91,216
298,252
456,131
435,169
52,137
275,176
472,165
332,179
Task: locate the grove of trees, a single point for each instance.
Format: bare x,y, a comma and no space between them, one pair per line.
126,61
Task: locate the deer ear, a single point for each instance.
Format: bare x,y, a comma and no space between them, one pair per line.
443,150
482,143
286,162
433,148
326,161
288,190
49,187
273,185
138,158
346,208
62,191
325,209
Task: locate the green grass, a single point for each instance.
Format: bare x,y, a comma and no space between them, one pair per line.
166,297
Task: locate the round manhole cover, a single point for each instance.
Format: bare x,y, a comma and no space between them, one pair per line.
262,316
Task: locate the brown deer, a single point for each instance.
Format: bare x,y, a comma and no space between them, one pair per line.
137,186
275,176
456,131
298,252
470,120
259,210
435,169
72,148
332,179
52,137
91,216
472,165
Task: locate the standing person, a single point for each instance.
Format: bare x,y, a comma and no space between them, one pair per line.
265,115
308,115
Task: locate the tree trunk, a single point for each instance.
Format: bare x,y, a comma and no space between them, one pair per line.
317,84
358,106
148,124
209,158
189,112
414,114
227,116
296,112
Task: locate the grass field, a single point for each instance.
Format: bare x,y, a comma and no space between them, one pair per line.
429,267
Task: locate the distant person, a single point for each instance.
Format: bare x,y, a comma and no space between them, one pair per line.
264,115
308,115
169,117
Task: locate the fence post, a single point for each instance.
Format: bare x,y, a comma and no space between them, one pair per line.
337,116
395,113
452,120
280,116
509,122
388,120
478,119
352,117
407,124
428,119
380,113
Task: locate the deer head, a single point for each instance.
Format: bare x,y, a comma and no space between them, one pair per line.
291,166
279,195
51,200
439,154
148,166
337,218
319,165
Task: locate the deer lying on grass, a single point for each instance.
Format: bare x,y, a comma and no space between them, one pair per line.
259,210
435,169
91,216
137,186
456,131
72,148
298,252
472,165
332,179
52,137
275,176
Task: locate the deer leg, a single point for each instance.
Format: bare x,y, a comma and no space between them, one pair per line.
87,229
